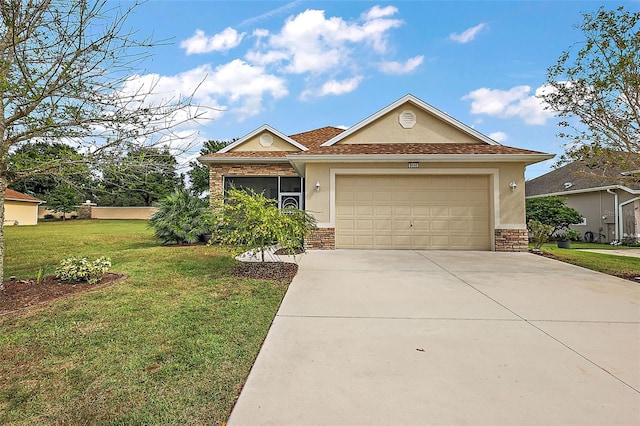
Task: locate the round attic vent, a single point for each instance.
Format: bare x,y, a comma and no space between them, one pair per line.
266,140
407,119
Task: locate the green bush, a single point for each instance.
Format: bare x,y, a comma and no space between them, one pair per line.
182,219
76,269
552,211
539,233
250,220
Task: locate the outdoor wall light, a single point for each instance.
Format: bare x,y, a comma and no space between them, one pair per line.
513,185
317,186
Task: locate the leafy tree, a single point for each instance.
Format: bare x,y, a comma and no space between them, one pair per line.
143,176
199,173
552,211
595,90
64,199
67,73
252,221
58,163
182,218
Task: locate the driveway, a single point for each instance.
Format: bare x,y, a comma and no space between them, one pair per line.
447,337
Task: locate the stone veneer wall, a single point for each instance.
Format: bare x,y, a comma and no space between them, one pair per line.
512,240
218,171
321,239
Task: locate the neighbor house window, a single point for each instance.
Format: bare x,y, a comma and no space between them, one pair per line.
287,190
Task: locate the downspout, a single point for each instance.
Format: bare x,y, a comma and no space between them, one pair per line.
622,217
615,214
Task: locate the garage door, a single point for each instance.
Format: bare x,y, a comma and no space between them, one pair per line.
405,212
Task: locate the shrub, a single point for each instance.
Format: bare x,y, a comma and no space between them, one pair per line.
182,219
552,211
539,233
76,269
253,221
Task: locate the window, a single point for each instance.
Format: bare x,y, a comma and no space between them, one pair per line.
287,190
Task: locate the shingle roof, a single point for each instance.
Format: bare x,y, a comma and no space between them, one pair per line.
10,194
415,148
314,138
577,176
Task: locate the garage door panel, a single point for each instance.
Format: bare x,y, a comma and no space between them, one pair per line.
364,225
364,211
383,225
364,240
437,212
401,211
383,211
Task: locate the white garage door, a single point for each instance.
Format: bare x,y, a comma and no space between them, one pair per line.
405,212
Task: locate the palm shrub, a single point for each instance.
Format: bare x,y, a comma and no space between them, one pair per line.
182,219
250,220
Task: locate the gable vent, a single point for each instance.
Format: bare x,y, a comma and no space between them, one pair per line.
407,119
266,140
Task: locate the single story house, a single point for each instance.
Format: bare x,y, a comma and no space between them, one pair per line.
610,207
20,209
407,177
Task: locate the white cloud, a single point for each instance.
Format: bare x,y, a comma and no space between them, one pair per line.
335,87
311,43
377,12
499,136
515,102
394,67
467,35
221,42
236,87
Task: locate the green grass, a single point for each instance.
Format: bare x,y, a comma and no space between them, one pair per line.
607,263
171,344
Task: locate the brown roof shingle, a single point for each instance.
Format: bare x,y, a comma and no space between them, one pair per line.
415,148
10,194
314,138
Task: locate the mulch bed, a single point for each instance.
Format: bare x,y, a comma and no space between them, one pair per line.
24,294
276,271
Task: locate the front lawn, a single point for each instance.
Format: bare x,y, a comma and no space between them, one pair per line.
621,266
170,344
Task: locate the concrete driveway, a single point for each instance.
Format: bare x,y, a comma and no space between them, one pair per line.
446,337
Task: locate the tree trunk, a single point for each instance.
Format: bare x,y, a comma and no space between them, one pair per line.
3,190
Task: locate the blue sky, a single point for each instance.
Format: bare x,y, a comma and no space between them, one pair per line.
302,65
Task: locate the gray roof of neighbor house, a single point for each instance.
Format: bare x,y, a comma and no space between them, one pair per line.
575,177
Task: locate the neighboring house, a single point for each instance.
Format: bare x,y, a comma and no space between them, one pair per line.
611,209
407,177
20,209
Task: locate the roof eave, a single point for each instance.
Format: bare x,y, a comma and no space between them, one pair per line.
24,201
585,190
214,160
255,132
427,158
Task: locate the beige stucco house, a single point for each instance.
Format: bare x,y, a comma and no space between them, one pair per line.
20,209
407,177
610,206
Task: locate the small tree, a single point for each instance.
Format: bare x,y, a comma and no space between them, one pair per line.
182,218
552,211
252,221
63,199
